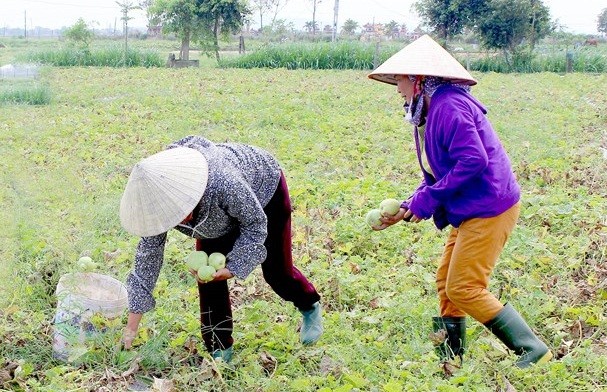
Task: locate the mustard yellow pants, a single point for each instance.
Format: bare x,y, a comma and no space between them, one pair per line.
467,262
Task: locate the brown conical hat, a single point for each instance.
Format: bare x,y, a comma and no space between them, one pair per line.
424,56
162,190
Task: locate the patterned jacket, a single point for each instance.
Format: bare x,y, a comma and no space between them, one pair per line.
242,180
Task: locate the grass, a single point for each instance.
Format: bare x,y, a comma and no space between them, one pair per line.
343,55
106,57
343,145
365,56
24,92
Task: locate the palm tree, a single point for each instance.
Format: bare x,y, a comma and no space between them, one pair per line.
350,26
311,27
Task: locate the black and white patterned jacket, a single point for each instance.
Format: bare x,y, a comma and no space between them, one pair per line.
242,180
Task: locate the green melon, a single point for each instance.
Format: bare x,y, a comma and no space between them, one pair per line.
372,217
196,259
217,260
205,273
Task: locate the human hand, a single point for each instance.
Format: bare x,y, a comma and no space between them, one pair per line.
409,216
128,336
220,274
130,331
389,220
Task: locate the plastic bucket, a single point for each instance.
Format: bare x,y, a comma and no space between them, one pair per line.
79,297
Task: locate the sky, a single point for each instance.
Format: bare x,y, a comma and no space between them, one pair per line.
575,16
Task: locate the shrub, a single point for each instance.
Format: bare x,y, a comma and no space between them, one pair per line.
25,93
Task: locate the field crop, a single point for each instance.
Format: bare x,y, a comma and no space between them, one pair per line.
344,147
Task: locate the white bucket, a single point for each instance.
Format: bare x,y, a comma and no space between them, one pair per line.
79,297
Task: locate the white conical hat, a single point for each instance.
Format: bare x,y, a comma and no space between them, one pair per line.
162,190
422,57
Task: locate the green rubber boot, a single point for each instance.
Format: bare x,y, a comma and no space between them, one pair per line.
311,327
450,334
224,355
514,332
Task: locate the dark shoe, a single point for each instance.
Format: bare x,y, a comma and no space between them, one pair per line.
514,332
311,328
449,337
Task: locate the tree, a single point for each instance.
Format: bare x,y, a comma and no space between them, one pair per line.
350,26
539,22
125,8
222,17
391,28
403,30
182,18
79,34
601,25
152,19
263,6
279,30
314,24
200,21
311,26
513,26
447,18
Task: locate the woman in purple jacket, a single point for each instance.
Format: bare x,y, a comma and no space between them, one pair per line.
467,183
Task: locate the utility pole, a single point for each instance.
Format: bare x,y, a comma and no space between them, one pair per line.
25,24
335,12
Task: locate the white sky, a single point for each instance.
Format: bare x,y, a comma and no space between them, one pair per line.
576,16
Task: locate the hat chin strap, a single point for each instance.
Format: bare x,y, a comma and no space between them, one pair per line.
418,82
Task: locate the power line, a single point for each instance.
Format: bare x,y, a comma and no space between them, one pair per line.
67,4
388,9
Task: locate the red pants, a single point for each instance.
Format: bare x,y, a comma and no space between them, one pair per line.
278,270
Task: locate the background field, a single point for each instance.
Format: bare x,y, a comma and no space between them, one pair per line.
344,147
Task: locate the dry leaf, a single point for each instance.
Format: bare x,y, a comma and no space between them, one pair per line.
374,303
5,376
132,369
329,366
438,337
281,318
163,385
507,386
108,256
268,362
449,369
208,370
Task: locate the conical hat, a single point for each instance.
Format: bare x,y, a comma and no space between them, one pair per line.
162,190
422,57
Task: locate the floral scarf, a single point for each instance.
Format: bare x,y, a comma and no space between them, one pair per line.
429,86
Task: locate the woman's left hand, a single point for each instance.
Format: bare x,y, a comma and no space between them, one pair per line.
222,274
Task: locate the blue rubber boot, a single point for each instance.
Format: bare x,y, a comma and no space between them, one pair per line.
224,355
311,329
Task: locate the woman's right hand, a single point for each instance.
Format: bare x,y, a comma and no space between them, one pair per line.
130,331
389,220
128,336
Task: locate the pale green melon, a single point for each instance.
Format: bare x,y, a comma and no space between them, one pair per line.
217,260
389,207
373,216
196,259
205,273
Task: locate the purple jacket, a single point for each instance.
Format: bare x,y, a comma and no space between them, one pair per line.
473,176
